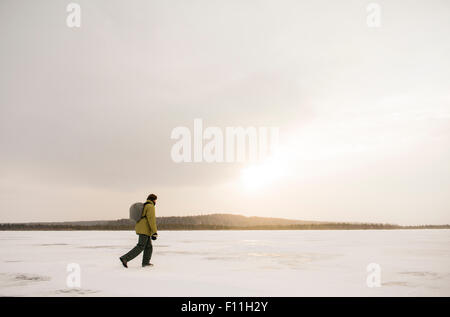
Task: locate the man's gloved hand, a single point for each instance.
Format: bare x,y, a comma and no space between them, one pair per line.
154,236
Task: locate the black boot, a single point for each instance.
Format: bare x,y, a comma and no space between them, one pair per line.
147,264
124,263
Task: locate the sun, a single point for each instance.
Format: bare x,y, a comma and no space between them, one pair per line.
263,174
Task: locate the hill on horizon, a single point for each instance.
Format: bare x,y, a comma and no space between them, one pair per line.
223,219
218,221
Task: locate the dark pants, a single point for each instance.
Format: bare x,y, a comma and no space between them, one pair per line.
144,244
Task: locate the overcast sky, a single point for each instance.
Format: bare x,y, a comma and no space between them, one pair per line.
86,113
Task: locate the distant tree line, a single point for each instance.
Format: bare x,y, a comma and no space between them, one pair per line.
213,222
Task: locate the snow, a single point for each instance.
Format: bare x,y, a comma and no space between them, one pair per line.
228,263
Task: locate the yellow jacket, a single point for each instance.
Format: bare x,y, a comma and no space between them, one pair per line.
147,224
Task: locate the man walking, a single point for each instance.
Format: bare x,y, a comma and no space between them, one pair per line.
147,231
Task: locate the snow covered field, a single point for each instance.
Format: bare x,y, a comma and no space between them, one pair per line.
228,263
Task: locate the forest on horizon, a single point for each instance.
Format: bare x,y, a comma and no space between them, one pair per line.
212,222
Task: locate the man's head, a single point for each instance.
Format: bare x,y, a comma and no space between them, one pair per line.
153,198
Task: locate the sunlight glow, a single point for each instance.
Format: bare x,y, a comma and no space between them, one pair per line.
265,173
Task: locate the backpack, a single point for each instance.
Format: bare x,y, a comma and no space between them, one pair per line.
136,211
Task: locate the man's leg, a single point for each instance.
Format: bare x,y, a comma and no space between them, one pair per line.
142,242
147,252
